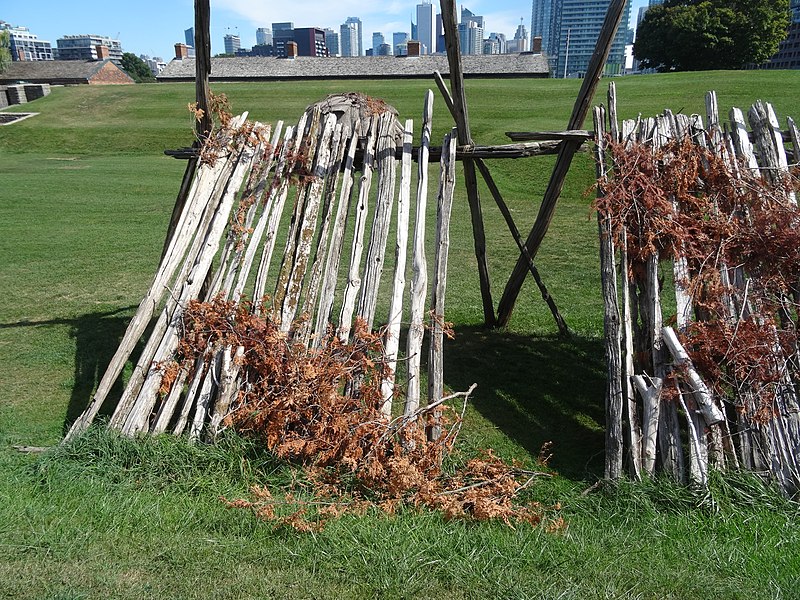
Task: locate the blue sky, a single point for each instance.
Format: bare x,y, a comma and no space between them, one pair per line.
153,27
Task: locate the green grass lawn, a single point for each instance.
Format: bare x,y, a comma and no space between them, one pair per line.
85,196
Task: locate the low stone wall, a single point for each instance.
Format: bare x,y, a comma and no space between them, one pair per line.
16,94
34,91
22,93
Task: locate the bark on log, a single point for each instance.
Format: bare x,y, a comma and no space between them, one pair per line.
280,191
650,391
311,298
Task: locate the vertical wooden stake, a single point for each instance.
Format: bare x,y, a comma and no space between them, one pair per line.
465,139
419,281
435,347
202,58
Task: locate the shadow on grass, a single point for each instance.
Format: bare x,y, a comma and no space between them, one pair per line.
535,390
97,336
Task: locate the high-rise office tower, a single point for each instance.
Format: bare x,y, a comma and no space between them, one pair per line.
348,39
377,40
426,19
332,42
188,35
352,28
522,39
544,24
470,32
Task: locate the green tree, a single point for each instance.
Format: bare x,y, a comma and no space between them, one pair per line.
5,49
137,68
699,35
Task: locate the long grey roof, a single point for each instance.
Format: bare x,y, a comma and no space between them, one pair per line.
48,71
363,67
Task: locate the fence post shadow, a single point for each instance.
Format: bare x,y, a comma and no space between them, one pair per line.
97,336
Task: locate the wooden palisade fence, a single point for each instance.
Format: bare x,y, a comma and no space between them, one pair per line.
663,411
224,243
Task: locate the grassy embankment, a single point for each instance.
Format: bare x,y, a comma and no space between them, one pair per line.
85,194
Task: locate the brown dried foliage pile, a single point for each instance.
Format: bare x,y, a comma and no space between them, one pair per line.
740,237
293,400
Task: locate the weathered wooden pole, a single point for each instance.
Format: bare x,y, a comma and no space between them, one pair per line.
465,139
202,53
202,44
564,160
611,318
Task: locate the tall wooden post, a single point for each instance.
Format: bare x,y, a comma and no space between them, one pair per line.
202,44
202,53
465,139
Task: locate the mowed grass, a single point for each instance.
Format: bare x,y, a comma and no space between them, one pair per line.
85,195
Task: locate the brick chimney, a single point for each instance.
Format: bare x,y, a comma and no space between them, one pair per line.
536,45
291,49
181,51
102,52
414,48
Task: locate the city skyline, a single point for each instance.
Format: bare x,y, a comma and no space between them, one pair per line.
151,28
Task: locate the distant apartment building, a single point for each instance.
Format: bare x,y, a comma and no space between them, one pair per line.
88,47
379,45
495,44
544,24
426,27
25,45
156,64
470,32
569,30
